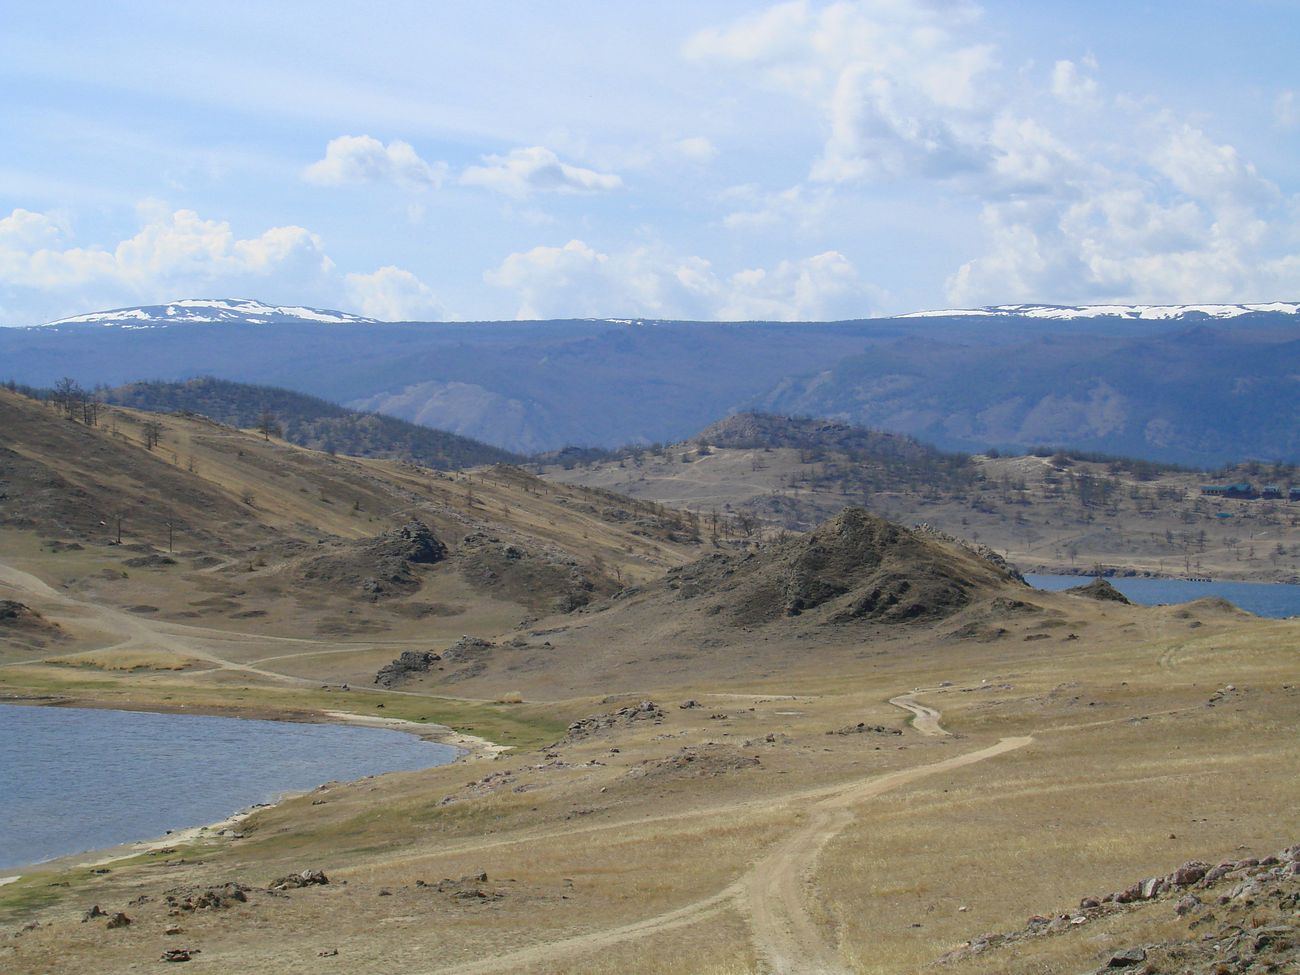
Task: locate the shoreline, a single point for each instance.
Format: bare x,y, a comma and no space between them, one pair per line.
469,748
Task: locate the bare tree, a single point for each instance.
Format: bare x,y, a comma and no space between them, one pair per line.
152,431
267,425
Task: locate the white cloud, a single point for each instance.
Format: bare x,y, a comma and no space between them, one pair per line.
576,279
1070,84
899,86
364,159
1286,109
797,205
696,148
1203,232
1205,170
536,169
393,294
174,253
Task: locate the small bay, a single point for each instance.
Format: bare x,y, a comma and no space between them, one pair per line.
77,779
1275,600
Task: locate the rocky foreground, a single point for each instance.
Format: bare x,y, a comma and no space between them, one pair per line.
1243,916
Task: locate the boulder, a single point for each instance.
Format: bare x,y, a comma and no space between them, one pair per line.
1127,958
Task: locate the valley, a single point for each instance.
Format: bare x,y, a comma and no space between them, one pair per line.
854,748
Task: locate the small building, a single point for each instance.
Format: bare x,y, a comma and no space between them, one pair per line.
1240,490
1271,491
1295,494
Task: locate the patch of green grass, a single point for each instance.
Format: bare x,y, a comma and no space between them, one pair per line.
522,726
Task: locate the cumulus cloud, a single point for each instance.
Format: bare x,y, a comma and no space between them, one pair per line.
522,172
697,149
353,159
1070,83
393,294
900,87
577,279
173,253
1203,226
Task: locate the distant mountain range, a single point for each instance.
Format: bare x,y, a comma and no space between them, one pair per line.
1196,384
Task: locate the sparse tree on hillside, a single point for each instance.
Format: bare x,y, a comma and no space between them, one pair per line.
152,431
268,425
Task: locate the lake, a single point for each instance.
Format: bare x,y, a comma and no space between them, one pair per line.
77,779
1275,600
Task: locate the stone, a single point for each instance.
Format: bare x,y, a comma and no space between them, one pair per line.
1189,873
1186,904
94,912
119,920
1127,958
1151,887
179,954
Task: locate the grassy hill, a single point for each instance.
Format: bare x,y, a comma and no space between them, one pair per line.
310,422
806,748
1048,511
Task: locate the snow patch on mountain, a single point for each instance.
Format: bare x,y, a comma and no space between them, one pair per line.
209,310
1143,312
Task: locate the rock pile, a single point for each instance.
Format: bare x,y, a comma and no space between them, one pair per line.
862,728
212,898
597,723
1256,889
308,878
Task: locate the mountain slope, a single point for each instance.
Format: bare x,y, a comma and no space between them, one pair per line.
1174,384
310,422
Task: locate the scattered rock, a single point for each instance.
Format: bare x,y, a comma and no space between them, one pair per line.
179,954
94,912
308,878
211,898
862,728
597,723
119,920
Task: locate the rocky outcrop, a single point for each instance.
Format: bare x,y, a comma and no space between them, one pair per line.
375,568
1101,590
409,664
1250,906
623,717
855,567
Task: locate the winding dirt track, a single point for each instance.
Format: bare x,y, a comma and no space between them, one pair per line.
772,893
924,719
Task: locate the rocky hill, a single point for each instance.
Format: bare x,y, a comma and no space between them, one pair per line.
856,567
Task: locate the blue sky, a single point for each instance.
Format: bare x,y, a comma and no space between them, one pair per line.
716,160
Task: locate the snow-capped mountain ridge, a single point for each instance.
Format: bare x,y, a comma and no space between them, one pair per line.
1143,312
212,310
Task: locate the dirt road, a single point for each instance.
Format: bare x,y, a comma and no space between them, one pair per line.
772,894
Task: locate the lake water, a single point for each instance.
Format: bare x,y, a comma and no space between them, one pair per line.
75,779
1275,600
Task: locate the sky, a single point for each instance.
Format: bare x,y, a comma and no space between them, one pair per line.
455,160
